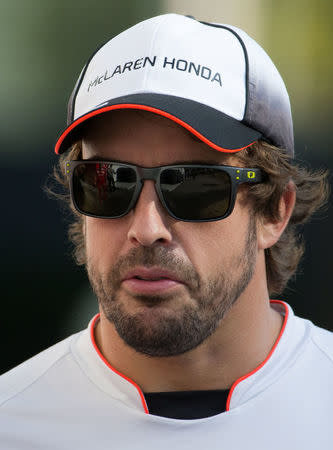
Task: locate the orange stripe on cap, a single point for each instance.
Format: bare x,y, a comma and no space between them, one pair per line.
236,383
150,109
92,336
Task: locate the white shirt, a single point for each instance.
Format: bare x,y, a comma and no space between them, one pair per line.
69,397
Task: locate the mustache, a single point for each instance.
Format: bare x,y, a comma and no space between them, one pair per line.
155,256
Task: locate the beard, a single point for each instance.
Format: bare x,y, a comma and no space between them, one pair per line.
158,329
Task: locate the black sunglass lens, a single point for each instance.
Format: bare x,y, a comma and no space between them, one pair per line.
196,193
103,189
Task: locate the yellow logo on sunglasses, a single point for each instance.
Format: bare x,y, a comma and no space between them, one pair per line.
251,174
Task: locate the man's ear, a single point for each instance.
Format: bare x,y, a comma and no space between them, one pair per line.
269,231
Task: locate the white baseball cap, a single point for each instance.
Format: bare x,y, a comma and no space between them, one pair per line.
212,79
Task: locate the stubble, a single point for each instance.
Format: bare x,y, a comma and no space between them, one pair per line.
157,330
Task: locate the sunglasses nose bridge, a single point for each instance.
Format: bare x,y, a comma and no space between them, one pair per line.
145,173
148,173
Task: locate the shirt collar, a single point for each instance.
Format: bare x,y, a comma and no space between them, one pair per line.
122,388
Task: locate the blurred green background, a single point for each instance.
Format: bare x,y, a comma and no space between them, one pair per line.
43,46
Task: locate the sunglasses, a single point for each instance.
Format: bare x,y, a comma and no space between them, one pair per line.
189,192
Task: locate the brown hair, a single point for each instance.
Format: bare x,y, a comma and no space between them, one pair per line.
282,259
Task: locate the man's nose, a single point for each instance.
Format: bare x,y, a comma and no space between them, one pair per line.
149,219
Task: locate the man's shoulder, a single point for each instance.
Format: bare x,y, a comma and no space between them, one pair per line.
323,340
24,375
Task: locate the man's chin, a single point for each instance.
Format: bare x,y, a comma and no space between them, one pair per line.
146,313
157,331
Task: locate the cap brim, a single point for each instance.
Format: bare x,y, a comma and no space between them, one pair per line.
214,128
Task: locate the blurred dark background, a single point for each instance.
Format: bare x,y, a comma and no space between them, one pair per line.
43,46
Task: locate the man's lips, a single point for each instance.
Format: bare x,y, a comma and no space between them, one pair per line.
151,274
143,280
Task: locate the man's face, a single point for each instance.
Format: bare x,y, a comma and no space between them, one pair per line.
213,262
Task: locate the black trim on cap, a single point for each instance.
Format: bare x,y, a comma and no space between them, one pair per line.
216,25
216,127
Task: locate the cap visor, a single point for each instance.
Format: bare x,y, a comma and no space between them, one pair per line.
214,128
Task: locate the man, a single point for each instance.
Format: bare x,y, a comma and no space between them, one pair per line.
179,160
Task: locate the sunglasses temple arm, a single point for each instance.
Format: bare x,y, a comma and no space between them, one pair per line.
249,175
